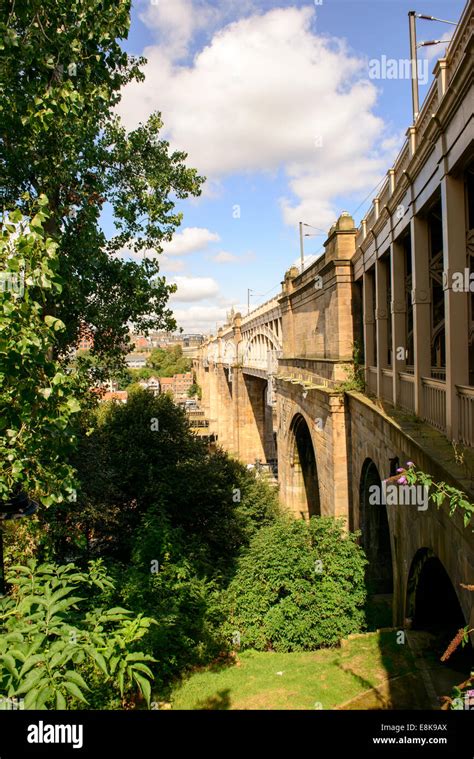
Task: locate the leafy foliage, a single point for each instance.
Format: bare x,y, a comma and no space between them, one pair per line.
53,639
39,401
439,492
141,458
63,71
195,391
299,586
169,518
166,362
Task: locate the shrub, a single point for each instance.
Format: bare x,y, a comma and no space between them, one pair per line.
58,649
299,586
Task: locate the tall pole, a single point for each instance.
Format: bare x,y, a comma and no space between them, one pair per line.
301,246
248,300
414,65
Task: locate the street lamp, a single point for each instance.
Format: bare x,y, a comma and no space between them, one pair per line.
305,234
412,16
15,508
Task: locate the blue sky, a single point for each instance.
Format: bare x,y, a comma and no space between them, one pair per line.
276,103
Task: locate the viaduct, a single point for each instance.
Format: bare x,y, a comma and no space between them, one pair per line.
383,302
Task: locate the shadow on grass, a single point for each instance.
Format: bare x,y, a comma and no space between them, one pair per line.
219,702
380,702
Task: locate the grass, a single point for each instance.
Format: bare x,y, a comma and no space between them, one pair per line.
309,680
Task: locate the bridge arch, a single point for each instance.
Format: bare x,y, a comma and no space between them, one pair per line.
304,485
374,526
431,596
433,605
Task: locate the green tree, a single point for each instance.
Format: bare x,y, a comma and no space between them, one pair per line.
166,362
62,72
299,586
38,399
195,391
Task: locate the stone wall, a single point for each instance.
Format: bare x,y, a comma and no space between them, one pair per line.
373,435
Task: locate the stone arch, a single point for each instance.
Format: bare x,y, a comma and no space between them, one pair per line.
374,526
431,597
304,484
433,605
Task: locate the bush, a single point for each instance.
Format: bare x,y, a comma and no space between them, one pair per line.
156,498
60,649
299,586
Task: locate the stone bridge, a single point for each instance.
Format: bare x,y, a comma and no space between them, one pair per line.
283,382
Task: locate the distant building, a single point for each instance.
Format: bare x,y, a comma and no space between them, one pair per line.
136,360
141,343
167,385
86,338
118,396
153,384
182,384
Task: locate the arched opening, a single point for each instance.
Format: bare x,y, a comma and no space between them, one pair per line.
375,532
432,605
305,486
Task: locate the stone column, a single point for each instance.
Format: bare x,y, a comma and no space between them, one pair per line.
369,343
455,303
398,309
421,306
381,320
249,416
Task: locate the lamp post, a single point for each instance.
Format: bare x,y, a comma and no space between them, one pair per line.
412,16
15,508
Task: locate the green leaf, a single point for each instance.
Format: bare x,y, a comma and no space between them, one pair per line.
61,704
144,686
99,660
56,324
31,680
74,691
75,677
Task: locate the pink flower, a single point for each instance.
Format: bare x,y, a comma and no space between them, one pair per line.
402,481
410,464
400,469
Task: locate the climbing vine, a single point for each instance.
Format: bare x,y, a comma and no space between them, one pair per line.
438,491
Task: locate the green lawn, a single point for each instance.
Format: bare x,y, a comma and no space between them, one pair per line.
309,680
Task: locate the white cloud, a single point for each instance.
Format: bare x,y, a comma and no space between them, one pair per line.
263,94
194,288
171,265
176,22
224,257
200,318
189,240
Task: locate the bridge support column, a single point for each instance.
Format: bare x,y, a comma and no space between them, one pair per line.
381,280
398,309
225,409
369,322
248,416
421,300
455,303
